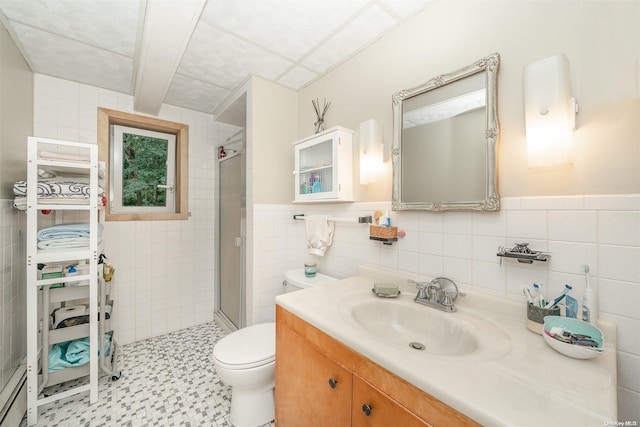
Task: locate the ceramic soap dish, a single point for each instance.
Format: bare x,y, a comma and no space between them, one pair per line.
385,290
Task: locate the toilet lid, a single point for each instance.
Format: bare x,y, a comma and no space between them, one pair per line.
247,347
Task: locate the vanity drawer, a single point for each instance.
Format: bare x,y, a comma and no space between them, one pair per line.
371,407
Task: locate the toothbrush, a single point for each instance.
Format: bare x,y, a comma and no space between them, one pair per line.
542,301
565,291
589,309
536,295
527,293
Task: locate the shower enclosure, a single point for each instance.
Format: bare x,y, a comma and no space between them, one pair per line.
231,216
231,236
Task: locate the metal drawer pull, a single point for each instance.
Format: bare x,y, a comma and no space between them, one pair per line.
366,409
333,382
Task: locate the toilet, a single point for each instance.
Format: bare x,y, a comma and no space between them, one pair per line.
245,360
295,280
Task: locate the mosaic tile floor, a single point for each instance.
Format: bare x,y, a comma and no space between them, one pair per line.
166,381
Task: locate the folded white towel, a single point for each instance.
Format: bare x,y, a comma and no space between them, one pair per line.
48,155
319,233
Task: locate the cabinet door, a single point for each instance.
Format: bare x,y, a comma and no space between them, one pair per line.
311,389
371,407
316,168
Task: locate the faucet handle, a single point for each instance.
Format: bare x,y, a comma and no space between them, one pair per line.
447,301
450,296
422,288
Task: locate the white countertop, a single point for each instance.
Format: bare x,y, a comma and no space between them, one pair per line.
531,385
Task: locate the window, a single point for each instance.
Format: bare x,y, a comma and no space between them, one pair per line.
146,164
142,178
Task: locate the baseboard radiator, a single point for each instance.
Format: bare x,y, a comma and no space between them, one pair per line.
13,399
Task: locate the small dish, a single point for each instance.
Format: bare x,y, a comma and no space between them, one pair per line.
384,290
573,327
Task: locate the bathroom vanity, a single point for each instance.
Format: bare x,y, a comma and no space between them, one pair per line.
341,359
325,383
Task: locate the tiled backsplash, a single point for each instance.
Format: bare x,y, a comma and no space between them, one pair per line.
601,231
13,291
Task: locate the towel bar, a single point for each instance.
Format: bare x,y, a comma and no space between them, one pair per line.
360,219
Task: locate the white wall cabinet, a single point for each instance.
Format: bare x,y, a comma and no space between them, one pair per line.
324,167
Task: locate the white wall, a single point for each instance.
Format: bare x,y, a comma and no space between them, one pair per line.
164,269
600,38
16,112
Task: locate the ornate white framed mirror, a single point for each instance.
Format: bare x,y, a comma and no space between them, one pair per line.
445,137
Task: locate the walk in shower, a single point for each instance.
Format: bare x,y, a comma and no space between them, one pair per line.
231,218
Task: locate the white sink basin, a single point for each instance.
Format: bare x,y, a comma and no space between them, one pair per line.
402,323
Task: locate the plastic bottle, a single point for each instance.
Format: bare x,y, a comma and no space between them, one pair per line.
385,220
71,272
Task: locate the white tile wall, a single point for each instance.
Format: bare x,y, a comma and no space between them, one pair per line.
13,318
601,231
164,269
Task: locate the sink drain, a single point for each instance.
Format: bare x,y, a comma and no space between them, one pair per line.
416,345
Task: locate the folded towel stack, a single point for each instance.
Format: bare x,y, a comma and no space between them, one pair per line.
66,236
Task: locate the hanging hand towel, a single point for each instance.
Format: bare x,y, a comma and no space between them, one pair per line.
319,233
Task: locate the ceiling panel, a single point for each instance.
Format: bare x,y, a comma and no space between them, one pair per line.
195,94
363,30
225,60
406,8
68,59
110,25
297,77
292,42
289,28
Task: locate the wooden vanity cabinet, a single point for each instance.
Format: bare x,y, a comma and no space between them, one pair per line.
364,393
371,407
311,387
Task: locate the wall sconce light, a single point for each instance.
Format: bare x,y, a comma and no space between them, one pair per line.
550,112
371,151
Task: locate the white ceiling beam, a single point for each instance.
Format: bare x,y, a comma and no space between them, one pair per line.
168,25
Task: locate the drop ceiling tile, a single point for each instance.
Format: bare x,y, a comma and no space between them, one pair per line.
111,25
217,57
360,32
297,77
195,94
289,28
71,60
406,8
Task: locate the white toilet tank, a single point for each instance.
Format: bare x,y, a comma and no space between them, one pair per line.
295,280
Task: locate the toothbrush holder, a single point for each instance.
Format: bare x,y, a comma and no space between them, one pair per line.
536,315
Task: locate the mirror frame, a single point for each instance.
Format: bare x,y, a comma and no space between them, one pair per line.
489,65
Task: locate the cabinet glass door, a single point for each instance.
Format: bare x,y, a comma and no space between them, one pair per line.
315,169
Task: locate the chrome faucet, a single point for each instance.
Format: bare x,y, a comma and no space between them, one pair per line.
439,293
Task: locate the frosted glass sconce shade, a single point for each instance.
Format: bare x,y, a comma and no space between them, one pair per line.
549,111
371,153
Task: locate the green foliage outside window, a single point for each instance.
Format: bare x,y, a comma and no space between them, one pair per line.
144,168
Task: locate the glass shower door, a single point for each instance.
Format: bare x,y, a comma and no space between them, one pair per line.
230,238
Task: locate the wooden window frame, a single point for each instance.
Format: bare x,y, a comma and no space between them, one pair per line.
106,118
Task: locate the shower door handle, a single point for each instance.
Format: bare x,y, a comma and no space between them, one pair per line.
238,242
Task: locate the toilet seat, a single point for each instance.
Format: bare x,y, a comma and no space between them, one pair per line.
246,348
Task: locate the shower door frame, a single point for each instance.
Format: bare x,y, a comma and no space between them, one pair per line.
219,314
